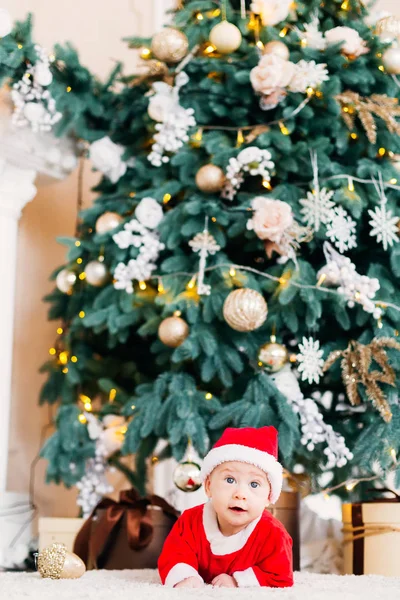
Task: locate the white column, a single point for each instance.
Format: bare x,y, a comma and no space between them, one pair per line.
16,190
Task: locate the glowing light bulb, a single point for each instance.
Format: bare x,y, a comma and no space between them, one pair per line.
191,283
145,53
63,357
283,128
351,485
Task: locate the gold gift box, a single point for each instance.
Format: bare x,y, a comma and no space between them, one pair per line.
372,538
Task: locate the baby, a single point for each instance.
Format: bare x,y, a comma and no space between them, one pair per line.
232,541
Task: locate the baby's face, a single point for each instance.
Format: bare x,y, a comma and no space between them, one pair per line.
239,494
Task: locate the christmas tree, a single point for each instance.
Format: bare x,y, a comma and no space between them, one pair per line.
239,266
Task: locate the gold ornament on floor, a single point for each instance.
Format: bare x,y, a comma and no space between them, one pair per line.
187,476
379,104
107,222
278,49
210,179
65,281
388,29
173,331
225,37
170,45
56,562
96,273
356,362
245,310
391,61
273,356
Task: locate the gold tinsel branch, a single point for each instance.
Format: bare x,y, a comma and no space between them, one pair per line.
366,107
356,363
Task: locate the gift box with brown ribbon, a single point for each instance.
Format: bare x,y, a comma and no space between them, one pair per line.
372,537
128,534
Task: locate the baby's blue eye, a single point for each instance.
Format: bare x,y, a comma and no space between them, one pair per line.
254,484
230,480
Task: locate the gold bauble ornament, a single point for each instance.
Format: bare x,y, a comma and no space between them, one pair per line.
273,356
278,49
388,29
187,476
226,37
96,273
56,562
107,222
65,281
391,61
170,45
156,68
173,331
245,310
210,179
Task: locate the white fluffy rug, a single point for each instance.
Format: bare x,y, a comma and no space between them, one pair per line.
145,585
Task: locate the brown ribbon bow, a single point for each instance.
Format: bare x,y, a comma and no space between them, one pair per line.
90,542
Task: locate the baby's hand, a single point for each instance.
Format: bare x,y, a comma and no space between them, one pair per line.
224,580
190,582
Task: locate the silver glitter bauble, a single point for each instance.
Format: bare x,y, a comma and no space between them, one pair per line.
187,476
273,356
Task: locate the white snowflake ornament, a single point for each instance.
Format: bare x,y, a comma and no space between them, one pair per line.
341,229
316,207
384,226
310,359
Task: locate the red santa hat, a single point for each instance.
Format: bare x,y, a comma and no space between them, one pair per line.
256,446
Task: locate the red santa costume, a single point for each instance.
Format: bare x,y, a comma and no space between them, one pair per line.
258,555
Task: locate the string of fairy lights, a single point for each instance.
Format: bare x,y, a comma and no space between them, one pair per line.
351,483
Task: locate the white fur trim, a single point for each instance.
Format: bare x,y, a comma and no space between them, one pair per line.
246,578
179,572
262,460
221,544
